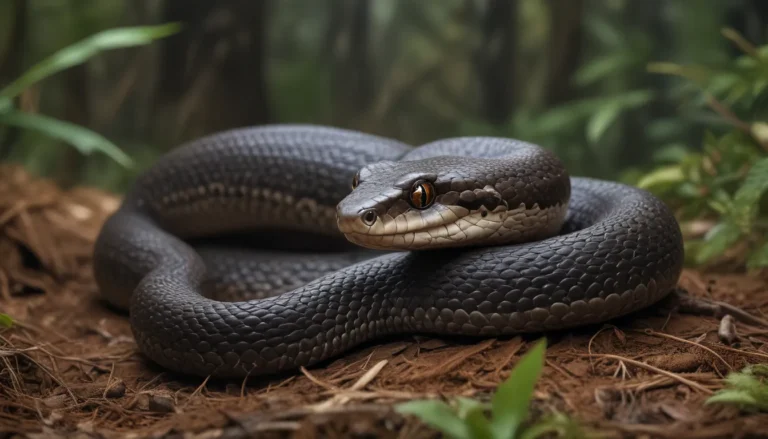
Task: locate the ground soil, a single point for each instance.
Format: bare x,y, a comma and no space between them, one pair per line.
70,368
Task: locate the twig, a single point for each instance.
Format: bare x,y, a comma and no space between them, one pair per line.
699,306
731,118
655,369
455,361
197,391
740,42
589,345
559,369
756,354
369,376
344,397
518,343
242,384
682,340
317,381
727,114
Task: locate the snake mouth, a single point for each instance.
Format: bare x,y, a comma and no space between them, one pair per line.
465,229
448,227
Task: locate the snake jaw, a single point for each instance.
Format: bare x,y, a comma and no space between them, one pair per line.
451,226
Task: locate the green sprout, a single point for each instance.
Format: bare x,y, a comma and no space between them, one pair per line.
747,389
466,418
5,321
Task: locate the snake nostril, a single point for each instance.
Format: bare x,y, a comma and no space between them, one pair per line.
368,217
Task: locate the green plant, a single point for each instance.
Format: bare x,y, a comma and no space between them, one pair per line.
465,418
607,98
5,320
725,180
747,389
86,141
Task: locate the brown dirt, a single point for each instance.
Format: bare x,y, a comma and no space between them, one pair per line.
70,366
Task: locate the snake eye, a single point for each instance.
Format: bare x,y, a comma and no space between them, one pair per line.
356,180
422,194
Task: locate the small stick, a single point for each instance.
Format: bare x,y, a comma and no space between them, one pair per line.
657,370
698,306
318,381
682,340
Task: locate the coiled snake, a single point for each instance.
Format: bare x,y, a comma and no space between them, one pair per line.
230,252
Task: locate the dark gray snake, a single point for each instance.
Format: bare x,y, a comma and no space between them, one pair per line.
229,257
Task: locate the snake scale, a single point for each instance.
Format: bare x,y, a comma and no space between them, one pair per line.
246,252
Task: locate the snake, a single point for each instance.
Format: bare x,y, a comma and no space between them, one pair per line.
263,249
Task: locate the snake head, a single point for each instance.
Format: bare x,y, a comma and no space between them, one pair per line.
433,203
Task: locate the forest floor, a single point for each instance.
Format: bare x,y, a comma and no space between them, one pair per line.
69,367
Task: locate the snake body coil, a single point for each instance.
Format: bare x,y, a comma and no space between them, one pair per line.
523,247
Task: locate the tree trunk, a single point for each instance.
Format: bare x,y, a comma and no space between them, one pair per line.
497,60
213,74
644,17
751,21
76,111
11,61
565,49
352,72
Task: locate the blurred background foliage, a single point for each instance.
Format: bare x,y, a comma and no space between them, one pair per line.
671,95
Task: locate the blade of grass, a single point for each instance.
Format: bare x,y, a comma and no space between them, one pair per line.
438,415
5,320
85,49
512,398
85,140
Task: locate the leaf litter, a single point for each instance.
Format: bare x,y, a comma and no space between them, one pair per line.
69,366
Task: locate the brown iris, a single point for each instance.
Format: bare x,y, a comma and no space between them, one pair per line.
422,194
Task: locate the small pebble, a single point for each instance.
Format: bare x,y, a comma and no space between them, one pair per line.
116,390
161,403
727,330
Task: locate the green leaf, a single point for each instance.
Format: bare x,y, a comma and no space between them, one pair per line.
738,397
605,31
698,75
473,414
603,67
512,398
673,153
742,381
601,121
721,202
663,175
719,239
438,415
5,320
610,109
87,48
744,389
747,197
479,426
630,99
466,405
757,370
559,424
739,40
85,140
